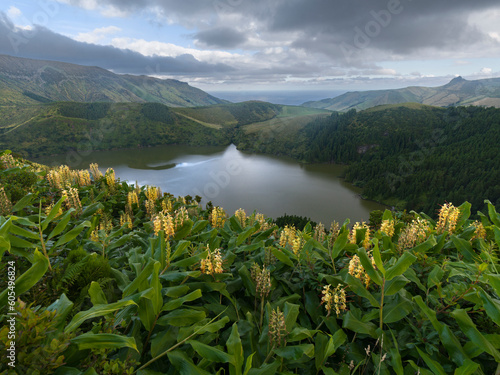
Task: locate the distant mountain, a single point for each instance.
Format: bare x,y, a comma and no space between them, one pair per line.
27,81
459,91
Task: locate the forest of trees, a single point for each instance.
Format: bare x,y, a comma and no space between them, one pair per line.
414,157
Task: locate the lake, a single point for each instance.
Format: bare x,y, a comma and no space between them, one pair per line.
233,179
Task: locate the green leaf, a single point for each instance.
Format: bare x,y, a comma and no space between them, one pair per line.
396,362
52,214
63,223
210,353
435,276
248,364
357,287
181,318
270,369
377,258
402,264
184,365
295,352
23,202
179,301
367,265
235,349
435,367
491,306
143,275
425,246
99,310
356,325
465,248
397,309
339,244
29,278
91,209
468,368
245,234
494,216
470,330
63,306
72,234
104,341
179,249
184,230
395,285
464,214
282,257
96,294
199,226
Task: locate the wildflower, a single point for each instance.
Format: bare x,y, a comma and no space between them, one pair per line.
132,198
448,217
413,234
360,226
94,170
287,235
83,178
125,218
181,215
277,328
387,227
241,215
168,226
212,263
357,270
319,232
335,299
297,245
110,178
334,233
5,203
479,231
72,199
218,217
50,207
8,161
262,278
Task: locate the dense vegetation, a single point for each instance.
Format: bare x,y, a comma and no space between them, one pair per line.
115,279
421,156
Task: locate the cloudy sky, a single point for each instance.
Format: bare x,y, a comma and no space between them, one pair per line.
220,45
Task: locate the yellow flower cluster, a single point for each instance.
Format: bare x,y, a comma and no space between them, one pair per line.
413,234
448,217
94,170
387,227
8,161
105,225
166,205
62,177
297,245
181,216
277,328
165,223
359,226
126,218
5,203
480,231
287,235
50,207
335,299
357,270
218,217
241,215
319,232
110,179
334,233
152,194
262,278
72,199
212,263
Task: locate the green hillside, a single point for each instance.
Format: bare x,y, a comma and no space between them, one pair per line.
458,92
27,82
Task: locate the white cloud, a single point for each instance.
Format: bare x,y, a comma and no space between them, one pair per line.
13,12
97,35
486,71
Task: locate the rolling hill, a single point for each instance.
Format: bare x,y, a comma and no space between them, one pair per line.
28,82
457,92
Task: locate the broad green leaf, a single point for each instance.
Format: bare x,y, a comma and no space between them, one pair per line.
181,317
377,258
270,369
464,214
245,234
29,278
199,226
103,341
465,248
52,214
143,275
397,309
23,202
91,210
291,312
63,306
339,244
190,261
18,231
146,310
357,287
435,367
184,364
72,234
96,294
179,276
179,249
402,264
470,330
99,310
62,224
468,368
295,352
356,325
494,281
235,349
494,216
179,301
396,362
395,285
368,266
491,306
248,364
425,246
282,257
211,353
184,230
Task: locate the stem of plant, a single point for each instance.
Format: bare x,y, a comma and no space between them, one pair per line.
382,305
41,236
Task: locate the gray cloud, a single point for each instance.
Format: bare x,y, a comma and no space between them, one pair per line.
41,43
221,37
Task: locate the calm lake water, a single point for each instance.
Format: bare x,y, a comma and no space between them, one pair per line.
233,179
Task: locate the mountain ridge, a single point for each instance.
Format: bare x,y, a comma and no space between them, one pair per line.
457,92
29,81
